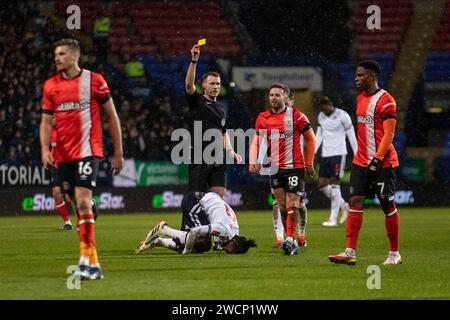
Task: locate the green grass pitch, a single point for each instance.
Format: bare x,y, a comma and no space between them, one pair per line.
35,254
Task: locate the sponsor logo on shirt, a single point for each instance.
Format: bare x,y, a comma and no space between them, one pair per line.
68,106
367,120
280,135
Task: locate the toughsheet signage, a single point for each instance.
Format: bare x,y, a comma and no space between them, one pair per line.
248,78
39,200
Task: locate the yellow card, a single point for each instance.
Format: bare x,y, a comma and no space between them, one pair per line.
202,42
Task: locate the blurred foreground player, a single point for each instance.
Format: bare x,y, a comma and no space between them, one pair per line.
60,202
375,163
75,97
203,218
281,128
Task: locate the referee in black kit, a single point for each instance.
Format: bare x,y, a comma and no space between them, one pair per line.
206,110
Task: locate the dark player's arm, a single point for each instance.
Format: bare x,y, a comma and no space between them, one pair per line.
388,137
114,126
45,131
310,145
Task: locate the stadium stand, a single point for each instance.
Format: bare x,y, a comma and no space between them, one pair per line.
147,118
387,39
159,34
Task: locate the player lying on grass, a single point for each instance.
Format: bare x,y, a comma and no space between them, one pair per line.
204,216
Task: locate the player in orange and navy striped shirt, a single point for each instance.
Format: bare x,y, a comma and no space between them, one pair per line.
281,127
375,163
74,96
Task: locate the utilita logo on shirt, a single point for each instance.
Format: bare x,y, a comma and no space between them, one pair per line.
367,120
68,106
282,135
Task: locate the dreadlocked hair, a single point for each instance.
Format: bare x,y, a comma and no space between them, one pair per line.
243,244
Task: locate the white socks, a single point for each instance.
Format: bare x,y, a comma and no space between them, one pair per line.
173,233
277,223
326,191
336,198
333,192
302,219
167,243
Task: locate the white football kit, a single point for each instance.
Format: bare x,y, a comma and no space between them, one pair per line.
223,222
331,133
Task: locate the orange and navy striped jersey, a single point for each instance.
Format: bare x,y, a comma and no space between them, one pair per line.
371,111
76,105
283,131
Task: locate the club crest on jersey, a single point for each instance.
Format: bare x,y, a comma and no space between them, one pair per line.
351,190
66,185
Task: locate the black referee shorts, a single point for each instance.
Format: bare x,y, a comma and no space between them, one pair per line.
204,176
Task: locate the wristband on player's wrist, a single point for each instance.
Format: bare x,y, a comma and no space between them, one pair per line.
194,61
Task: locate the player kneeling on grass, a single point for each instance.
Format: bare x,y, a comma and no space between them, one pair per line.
203,217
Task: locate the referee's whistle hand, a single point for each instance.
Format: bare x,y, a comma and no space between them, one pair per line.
195,52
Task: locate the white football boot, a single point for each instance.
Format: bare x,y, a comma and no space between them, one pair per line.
330,223
393,258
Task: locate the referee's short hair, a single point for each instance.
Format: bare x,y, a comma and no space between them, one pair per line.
73,44
210,73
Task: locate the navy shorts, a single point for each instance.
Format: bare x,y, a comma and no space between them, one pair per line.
194,216
80,173
382,185
56,179
291,180
332,167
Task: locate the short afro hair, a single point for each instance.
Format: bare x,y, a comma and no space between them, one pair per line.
324,100
370,65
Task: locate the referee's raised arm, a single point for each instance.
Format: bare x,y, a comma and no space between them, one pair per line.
190,75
